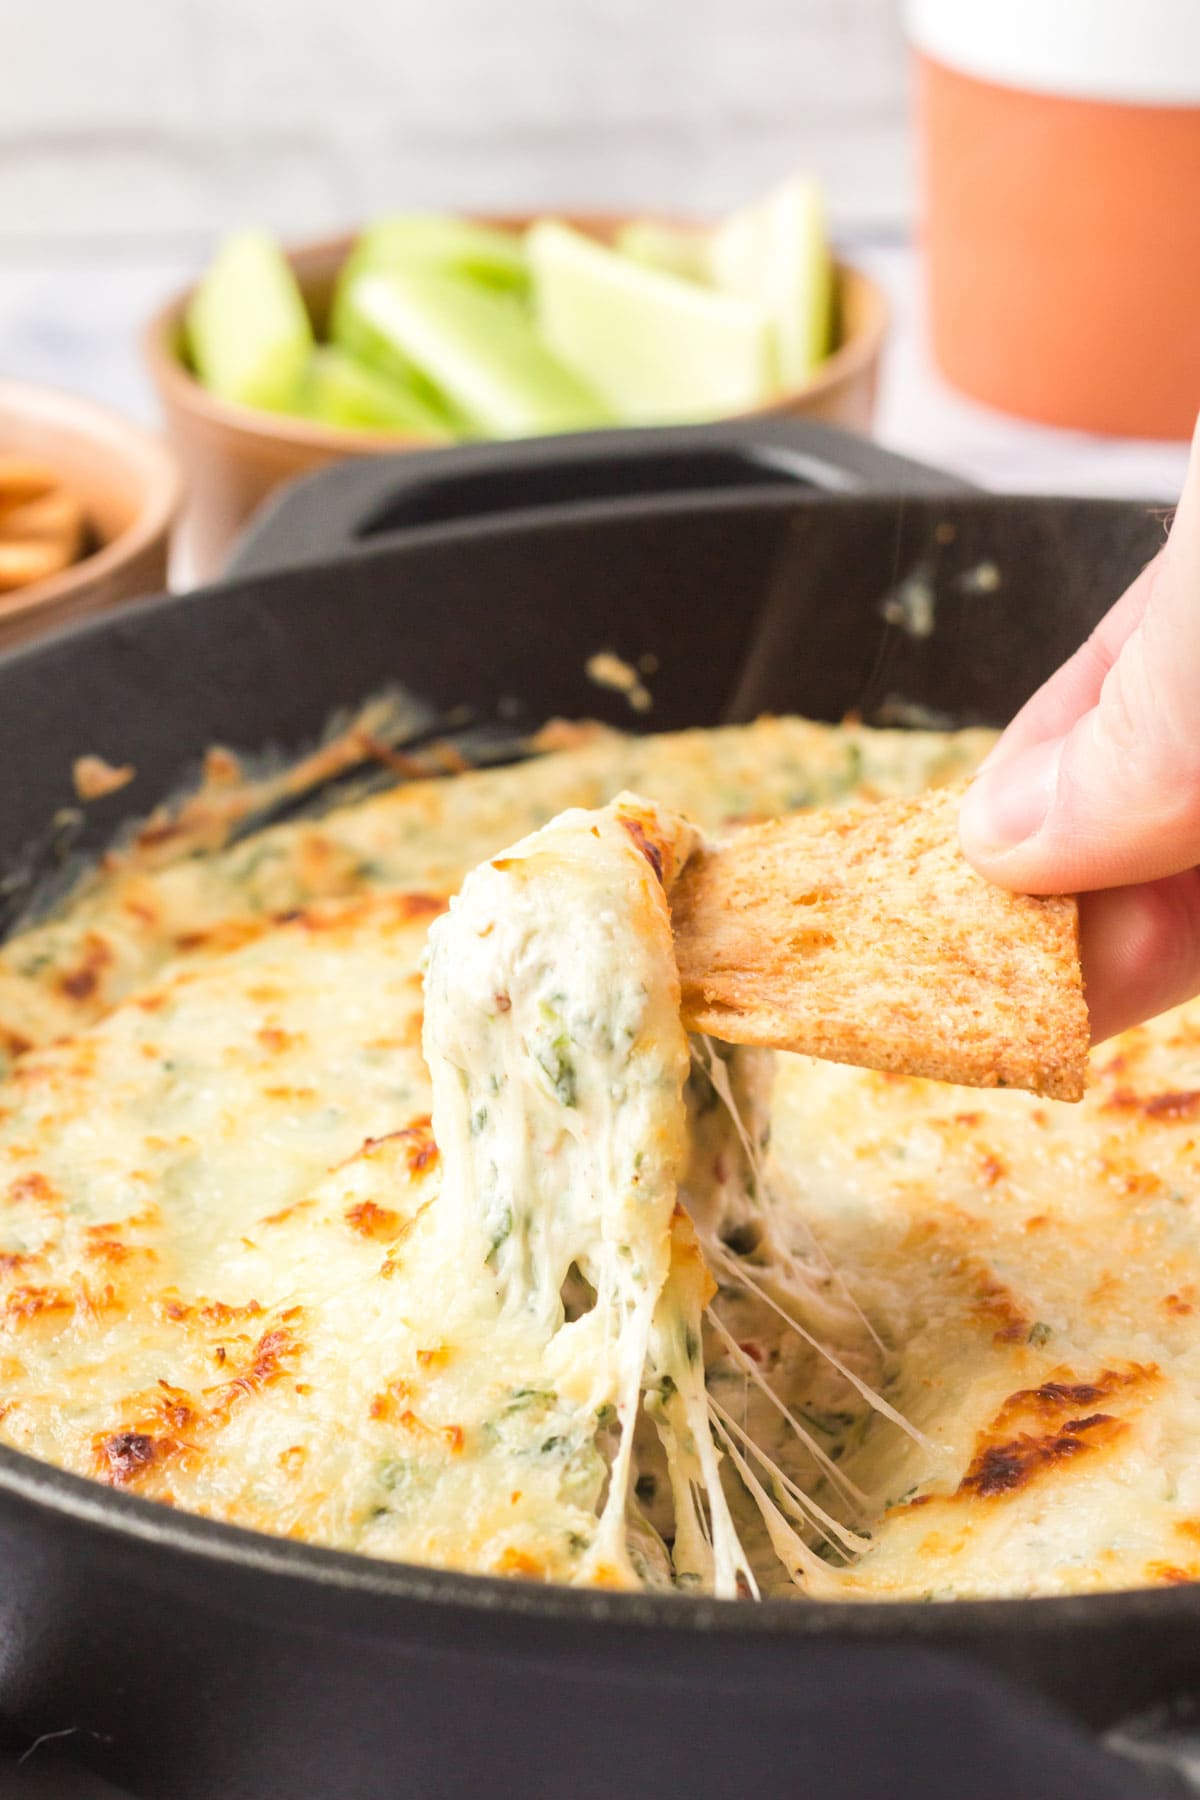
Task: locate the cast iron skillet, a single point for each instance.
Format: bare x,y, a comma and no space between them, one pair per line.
195,1660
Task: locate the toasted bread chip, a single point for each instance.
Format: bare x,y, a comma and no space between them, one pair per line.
49,519
24,478
864,936
23,563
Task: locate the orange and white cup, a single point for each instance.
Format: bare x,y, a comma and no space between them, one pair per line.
1060,151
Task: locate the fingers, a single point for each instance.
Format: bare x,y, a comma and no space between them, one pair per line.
1141,951
1095,789
1116,801
1098,783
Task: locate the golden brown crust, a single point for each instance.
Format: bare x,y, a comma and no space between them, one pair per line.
864,936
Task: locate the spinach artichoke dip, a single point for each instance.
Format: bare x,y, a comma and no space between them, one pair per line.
340,1208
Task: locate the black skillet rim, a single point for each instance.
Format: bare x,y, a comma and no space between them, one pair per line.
298,1571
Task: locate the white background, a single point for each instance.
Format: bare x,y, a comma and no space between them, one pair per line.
154,120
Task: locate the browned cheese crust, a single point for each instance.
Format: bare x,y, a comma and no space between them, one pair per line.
864,936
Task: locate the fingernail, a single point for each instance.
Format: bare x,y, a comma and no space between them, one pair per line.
995,755
1006,804
1001,751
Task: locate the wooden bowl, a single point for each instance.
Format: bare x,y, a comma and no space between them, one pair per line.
233,457
130,489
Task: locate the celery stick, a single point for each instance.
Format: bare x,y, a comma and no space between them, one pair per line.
358,332
482,253
477,351
776,252
247,329
655,347
341,390
671,248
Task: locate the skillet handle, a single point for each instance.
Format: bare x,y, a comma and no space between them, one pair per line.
364,500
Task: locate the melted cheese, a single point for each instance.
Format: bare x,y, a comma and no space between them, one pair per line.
558,1061
1033,1268
425,835
620,1313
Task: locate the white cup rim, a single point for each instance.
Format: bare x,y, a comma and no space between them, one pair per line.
1140,52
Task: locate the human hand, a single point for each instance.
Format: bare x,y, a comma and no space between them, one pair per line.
1095,788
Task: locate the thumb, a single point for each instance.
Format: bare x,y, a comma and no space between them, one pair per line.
1116,798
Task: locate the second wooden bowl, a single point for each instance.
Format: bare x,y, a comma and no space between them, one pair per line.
129,487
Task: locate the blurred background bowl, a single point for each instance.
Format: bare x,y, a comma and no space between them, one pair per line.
129,485
233,456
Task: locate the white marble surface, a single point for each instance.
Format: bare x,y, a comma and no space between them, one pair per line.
75,321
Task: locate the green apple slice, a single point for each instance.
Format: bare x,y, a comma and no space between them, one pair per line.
248,332
671,248
342,391
655,347
482,253
477,352
776,252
